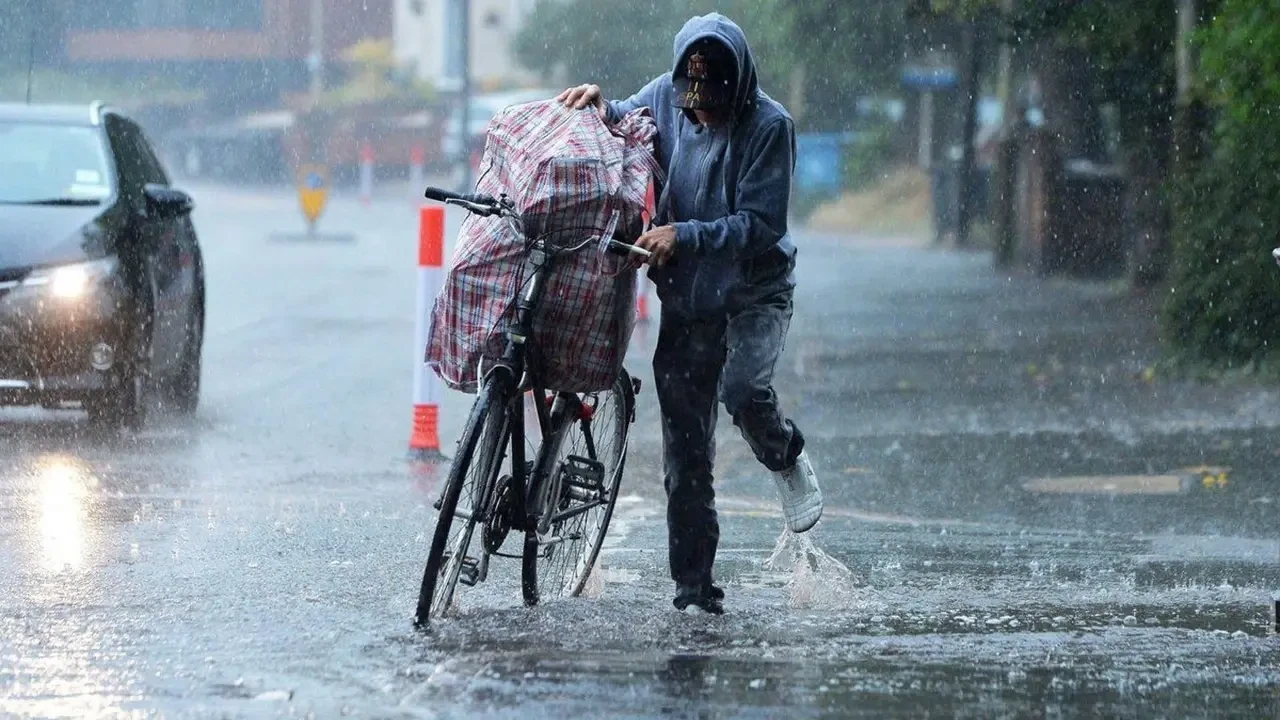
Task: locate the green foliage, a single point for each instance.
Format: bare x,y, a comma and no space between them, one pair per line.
1224,305
616,44
1131,43
841,51
847,49
372,75
868,157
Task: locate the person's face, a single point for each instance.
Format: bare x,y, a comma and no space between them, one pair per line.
709,118
705,86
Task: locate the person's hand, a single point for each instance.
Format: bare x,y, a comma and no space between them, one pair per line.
581,96
661,242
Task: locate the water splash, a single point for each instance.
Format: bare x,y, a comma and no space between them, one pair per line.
817,578
593,589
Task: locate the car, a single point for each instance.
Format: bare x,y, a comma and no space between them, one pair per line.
102,288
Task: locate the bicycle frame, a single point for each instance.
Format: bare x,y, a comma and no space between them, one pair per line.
511,374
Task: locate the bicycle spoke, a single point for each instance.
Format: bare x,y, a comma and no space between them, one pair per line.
481,477
600,438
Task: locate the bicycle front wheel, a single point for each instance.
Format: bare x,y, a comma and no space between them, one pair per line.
585,455
471,478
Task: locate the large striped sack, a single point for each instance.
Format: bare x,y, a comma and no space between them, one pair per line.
574,179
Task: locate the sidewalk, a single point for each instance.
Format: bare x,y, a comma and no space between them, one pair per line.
933,389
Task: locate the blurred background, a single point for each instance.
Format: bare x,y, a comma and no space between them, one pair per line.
1125,140
1032,351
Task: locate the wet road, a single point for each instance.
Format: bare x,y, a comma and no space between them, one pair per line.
1020,521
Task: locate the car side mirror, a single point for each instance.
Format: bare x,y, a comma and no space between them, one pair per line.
167,203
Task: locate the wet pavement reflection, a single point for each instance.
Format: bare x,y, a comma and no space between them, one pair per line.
1021,521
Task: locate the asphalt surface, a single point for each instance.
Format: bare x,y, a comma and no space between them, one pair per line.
1021,521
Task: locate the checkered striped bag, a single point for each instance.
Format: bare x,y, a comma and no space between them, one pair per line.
572,178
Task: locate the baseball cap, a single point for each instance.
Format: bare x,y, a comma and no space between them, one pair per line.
706,76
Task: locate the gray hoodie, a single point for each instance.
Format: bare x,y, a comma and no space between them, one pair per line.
727,188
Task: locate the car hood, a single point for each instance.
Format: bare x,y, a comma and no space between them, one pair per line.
33,235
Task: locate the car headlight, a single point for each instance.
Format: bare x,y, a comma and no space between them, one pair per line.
70,282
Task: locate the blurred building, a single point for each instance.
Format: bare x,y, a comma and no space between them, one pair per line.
427,32
244,53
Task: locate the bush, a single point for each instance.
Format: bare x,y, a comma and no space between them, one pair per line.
1224,303
868,157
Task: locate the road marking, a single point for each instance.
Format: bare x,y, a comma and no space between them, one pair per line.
1110,485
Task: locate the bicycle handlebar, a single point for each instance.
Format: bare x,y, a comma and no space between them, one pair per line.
479,204
486,205
444,196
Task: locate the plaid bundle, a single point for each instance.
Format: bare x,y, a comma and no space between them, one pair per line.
571,177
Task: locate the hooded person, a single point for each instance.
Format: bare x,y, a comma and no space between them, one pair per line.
728,153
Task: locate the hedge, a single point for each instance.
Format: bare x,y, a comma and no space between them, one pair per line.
1224,295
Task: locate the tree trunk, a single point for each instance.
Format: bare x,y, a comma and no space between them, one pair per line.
1070,108
1187,143
969,97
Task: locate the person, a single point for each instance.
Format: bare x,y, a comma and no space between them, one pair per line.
723,263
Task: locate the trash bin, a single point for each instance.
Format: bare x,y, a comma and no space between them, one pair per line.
1092,220
819,164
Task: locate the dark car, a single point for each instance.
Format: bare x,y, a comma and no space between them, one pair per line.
101,276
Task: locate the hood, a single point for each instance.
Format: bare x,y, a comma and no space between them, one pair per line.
33,235
718,27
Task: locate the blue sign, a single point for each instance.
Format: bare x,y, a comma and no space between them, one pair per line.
930,78
820,162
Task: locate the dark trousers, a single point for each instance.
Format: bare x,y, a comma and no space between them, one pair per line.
698,362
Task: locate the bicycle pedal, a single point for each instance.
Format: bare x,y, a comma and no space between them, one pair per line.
583,472
469,572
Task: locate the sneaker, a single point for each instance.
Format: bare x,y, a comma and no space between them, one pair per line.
801,497
698,598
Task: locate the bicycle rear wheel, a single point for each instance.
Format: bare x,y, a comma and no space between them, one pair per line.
585,455
471,478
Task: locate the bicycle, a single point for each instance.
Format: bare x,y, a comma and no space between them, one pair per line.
492,486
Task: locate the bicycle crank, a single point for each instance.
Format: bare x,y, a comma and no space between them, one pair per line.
501,515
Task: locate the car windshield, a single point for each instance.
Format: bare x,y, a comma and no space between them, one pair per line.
47,163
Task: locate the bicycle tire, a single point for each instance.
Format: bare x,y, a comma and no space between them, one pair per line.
483,438
623,413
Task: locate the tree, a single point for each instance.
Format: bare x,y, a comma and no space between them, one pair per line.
834,51
373,75
619,45
1224,304
846,50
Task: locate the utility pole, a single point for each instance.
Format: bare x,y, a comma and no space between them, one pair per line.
1186,23
1002,177
971,88
464,71
315,60
1004,89
31,58
1190,120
